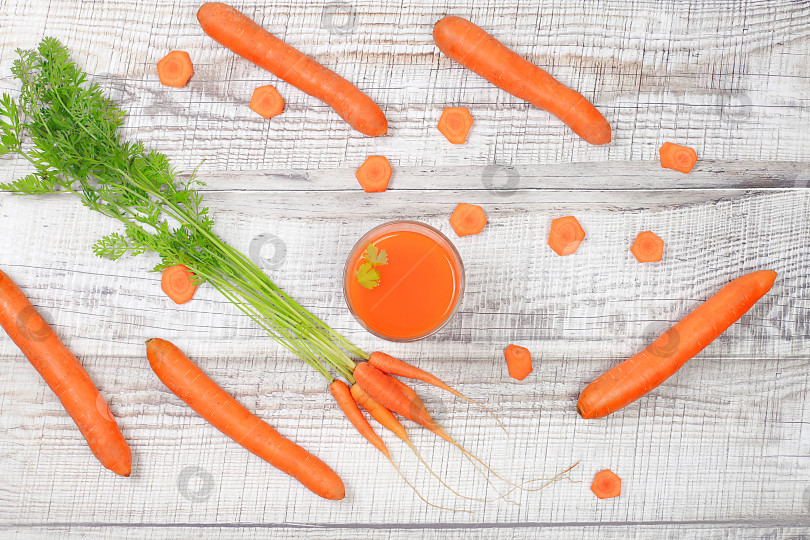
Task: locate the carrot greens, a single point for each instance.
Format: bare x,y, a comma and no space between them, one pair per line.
67,129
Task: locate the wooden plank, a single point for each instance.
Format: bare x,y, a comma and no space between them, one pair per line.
503,181
727,78
540,531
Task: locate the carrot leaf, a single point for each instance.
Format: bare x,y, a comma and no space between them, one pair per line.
375,256
368,276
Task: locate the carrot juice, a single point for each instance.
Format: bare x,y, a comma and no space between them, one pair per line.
414,292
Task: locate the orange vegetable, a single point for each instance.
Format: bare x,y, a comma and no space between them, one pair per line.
343,396
381,414
606,484
386,419
519,361
244,37
175,69
217,407
638,375
648,247
394,366
566,235
65,376
455,123
410,393
381,388
177,284
374,174
677,157
478,51
468,219
266,101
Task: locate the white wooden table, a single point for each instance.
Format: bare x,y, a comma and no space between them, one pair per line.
721,450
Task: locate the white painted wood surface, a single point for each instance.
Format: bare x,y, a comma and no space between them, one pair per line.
721,450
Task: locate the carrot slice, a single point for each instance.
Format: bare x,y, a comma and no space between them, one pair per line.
566,235
374,174
677,157
176,283
519,361
606,484
266,101
175,69
648,247
468,219
455,123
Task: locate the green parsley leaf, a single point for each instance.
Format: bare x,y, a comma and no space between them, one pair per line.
368,276
376,257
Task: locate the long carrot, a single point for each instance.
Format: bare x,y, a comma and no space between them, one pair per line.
234,30
481,53
221,410
394,366
381,388
66,377
639,374
343,396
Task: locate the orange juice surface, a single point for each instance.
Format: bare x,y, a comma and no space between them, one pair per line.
418,288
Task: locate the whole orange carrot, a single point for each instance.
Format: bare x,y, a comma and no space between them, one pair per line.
478,51
217,407
234,30
394,366
641,373
343,396
382,389
66,377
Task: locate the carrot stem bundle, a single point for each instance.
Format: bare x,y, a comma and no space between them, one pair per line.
65,376
221,410
643,372
481,53
232,29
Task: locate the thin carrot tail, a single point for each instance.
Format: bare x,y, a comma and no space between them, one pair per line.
447,486
443,434
490,411
548,481
424,500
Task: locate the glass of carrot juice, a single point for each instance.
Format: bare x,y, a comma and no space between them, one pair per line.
408,285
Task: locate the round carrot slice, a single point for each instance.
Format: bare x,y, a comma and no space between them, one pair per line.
468,219
606,484
175,69
566,235
455,124
374,174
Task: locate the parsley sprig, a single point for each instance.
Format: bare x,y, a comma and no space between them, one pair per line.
67,129
367,273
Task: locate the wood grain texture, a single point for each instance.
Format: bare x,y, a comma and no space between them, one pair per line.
721,450
729,78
